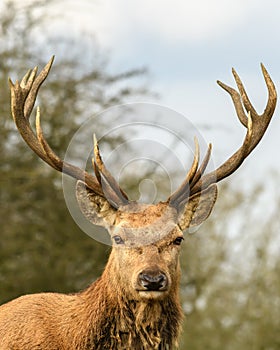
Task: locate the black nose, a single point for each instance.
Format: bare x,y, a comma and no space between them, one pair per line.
153,280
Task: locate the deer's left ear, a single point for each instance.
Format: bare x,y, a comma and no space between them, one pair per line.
198,208
95,208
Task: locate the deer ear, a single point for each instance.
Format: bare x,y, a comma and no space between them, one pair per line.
95,207
198,208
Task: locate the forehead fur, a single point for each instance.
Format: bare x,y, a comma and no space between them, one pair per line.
136,215
143,224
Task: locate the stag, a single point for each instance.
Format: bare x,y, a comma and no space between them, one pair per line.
135,303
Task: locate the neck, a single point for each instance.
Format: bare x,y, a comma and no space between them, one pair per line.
119,322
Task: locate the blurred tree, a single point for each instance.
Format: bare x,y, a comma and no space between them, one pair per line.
230,280
36,228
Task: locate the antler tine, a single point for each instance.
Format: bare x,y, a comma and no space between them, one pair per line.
197,176
243,94
236,99
272,95
116,195
28,79
35,86
21,103
184,188
202,167
55,161
23,96
256,126
272,98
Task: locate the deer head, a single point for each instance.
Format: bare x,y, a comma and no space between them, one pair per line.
146,238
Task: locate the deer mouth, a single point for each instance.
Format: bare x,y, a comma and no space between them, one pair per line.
152,289
152,294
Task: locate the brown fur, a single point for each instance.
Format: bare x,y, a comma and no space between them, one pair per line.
104,316
115,312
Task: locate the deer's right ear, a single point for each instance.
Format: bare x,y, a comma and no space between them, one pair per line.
95,207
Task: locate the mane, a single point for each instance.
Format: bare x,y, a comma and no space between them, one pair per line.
129,324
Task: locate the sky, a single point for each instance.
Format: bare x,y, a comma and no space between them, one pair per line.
187,46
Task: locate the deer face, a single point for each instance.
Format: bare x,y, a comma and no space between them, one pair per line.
149,271
146,244
146,239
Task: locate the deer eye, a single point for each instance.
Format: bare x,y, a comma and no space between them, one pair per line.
118,240
178,240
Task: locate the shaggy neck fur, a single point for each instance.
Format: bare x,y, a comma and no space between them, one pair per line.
118,322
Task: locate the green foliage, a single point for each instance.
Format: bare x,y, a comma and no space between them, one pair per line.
230,281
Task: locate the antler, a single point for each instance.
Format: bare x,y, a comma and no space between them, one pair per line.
23,96
256,126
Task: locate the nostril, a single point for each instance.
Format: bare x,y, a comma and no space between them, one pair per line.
153,280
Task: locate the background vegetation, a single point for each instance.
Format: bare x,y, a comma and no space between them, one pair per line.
230,277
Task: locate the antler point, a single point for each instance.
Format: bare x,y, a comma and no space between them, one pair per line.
11,83
50,63
264,70
95,143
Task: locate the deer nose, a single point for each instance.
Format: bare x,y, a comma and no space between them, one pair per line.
153,280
